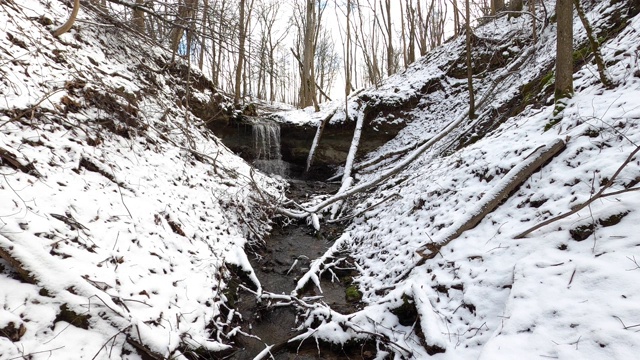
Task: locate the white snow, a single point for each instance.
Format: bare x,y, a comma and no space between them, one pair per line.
136,230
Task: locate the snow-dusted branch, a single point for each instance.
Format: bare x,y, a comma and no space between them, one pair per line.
598,195
316,139
514,178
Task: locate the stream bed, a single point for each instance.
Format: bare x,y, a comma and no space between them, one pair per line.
286,256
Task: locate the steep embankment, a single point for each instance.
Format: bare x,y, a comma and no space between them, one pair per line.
119,212
567,290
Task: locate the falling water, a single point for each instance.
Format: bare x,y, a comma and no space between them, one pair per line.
266,147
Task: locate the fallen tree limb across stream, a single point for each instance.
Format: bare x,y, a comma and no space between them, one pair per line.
492,199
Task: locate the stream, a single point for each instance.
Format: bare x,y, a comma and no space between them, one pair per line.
285,258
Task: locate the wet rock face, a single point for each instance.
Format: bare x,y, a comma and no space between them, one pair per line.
383,119
334,145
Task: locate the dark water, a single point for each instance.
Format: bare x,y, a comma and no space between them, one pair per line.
285,258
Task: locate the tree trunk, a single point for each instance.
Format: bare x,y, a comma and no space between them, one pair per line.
307,79
203,41
456,19
138,17
515,8
534,21
240,64
595,46
411,18
564,49
493,198
390,66
496,6
472,101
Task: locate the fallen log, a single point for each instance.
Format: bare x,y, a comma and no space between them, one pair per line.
491,200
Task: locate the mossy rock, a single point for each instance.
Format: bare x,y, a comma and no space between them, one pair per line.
582,232
551,123
613,219
352,294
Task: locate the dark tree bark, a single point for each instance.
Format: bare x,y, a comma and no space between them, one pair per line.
496,6
564,49
472,101
242,36
138,17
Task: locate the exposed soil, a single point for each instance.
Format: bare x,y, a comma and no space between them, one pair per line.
287,256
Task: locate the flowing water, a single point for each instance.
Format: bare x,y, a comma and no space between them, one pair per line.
285,257
266,147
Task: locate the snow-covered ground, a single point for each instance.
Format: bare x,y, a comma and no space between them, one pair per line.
118,214
561,292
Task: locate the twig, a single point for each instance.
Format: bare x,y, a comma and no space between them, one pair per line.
104,346
625,326
598,195
28,356
633,260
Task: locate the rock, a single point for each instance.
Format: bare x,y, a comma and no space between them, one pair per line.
11,326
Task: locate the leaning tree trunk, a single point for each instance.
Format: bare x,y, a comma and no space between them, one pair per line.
595,46
472,101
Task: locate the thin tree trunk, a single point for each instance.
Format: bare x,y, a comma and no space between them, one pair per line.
534,21
595,47
347,179
138,18
316,140
69,23
203,41
564,49
472,102
240,64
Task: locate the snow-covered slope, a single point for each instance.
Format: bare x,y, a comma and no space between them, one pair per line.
568,290
119,211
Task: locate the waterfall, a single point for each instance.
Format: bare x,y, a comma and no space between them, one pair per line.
266,148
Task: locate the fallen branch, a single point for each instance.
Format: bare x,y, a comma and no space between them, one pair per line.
398,152
17,162
375,182
69,23
316,139
526,55
490,201
598,195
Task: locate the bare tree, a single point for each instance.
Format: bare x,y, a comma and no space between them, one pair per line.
595,46
242,37
496,6
308,26
391,64
564,49
472,103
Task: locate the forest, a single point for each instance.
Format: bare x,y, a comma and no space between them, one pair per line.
311,179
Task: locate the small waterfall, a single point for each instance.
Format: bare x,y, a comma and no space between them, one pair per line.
266,148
